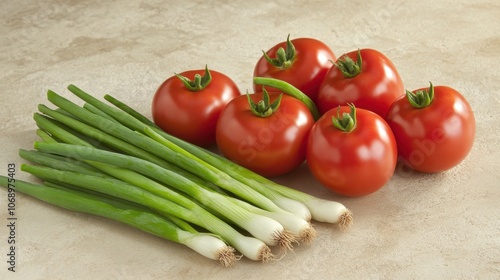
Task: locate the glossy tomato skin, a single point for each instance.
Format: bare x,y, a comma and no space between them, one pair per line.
312,61
435,138
192,115
270,146
375,88
355,163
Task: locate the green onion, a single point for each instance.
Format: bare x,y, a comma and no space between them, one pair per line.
96,111
277,201
172,154
205,244
250,247
321,209
134,120
127,176
302,229
269,231
45,136
120,159
277,236
51,126
60,163
213,200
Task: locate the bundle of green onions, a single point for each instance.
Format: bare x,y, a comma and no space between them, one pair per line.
113,162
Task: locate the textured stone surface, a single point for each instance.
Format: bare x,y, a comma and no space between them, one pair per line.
441,226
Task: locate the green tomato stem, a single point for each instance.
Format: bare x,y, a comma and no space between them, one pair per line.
198,83
421,98
349,67
290,90
284,58
264,108
346,122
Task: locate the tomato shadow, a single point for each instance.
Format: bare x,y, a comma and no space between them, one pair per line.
405,172
303,180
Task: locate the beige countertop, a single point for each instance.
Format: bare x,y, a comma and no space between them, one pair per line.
419,226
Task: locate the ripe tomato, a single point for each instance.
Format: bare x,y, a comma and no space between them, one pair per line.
189,109
302,62
366,78
437,136
265,135
354,162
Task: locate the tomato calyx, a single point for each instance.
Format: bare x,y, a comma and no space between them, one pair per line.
346,122
349,67
264,108
198,83
290,90
284,58
421,98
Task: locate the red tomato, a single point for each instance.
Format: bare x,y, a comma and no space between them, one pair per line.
352,163
436,137
303,64
269,145
192,114
371,83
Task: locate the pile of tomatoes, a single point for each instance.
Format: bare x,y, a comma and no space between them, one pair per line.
361,122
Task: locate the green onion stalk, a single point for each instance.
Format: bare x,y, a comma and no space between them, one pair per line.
171,153
178,206
321,210
185,161
141,218
68,164
225,205
117,160
261,227
138,122
278,234
258,252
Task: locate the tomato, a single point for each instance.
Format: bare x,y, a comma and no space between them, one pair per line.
302,62
437,136
265,134
354,155
189,109
366,78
